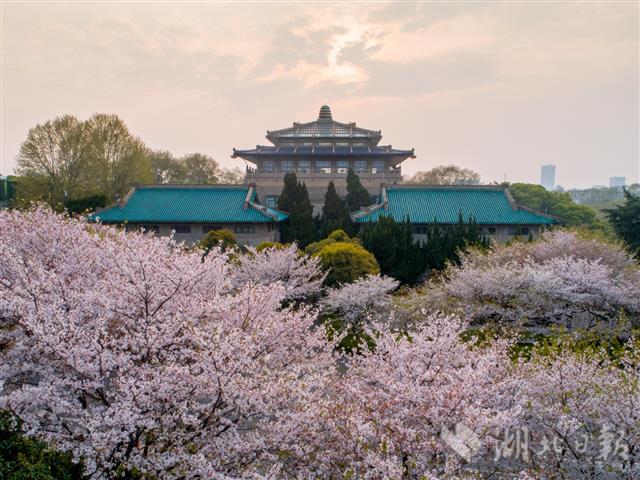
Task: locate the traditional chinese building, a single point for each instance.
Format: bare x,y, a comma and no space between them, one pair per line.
319,152
191,211
497,214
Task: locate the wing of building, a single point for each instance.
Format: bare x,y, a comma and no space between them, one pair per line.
491,207
191,211
319,152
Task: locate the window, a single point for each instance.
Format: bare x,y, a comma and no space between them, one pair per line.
181,228
286,165
245,229
519,231
378,166
304,166
360,166
342,166
491,230
151,228
271,201
210,228
323,166
268,166
420,230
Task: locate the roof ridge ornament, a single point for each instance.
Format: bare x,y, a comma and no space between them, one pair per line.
325,113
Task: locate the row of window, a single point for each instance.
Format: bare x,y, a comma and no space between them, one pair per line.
205,229
322,166
271,202
323,144
523,231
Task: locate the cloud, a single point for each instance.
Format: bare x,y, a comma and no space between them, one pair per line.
210,76
462,71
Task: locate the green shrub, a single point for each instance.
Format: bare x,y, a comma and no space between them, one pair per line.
224,237
346,262
24,458
264,245
335,236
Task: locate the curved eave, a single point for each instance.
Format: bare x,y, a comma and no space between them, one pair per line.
252,155
371,214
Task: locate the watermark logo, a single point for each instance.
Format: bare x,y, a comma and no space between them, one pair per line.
463,441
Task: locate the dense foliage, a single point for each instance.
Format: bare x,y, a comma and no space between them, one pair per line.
194,168
149,358
146,360
445,175
602,198
66,162
357,196
560,280
394,248
66,158
343,258
294,200
406,259
626,221
558,204
335,215
25,458
222,238
86,204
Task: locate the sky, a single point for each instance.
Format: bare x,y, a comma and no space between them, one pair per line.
500,88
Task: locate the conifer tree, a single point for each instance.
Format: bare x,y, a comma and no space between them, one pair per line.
357,196
294,200
393,246
288,192
335,215
625,219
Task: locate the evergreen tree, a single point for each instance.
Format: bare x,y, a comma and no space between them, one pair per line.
289,192
445,244
626,221
294,200
393,246
335,215
357,196
301,221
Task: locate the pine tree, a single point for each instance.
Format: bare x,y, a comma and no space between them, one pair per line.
294,200
626,221
357,196
303,227
334,213
289,192
392,244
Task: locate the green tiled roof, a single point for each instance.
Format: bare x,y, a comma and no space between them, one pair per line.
189,204
428,204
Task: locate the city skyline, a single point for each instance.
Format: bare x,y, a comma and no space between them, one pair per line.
499,89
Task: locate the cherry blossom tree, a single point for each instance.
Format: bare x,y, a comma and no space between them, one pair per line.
138,356
368,296
396,402
300,275
142,358
562,279
582,414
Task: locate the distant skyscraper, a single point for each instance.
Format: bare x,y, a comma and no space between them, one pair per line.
548,176
617,181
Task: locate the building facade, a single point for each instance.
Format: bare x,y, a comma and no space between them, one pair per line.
493,209
191,211
617,181
548,177
319,152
